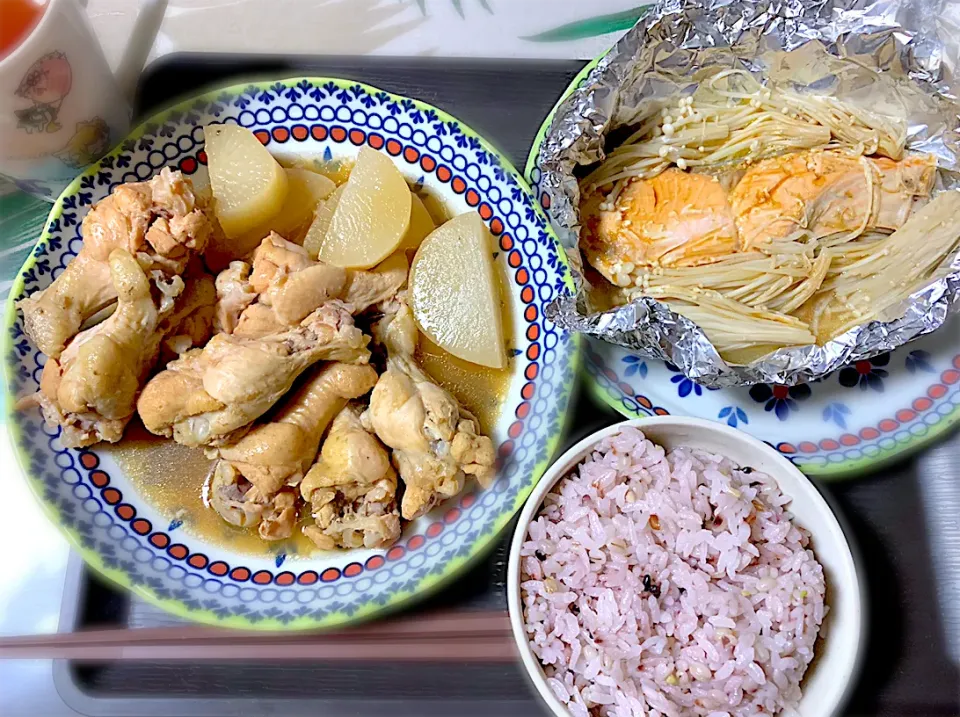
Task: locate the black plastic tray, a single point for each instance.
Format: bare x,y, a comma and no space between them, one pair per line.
906,670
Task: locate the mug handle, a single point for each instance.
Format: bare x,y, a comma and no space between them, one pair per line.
145,29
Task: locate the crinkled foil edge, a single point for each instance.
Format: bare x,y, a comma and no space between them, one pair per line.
886,35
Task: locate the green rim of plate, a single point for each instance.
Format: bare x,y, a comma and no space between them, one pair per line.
428,584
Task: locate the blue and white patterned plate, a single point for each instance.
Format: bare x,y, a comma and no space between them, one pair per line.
848,422
128,540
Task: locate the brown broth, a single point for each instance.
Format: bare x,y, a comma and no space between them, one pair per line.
434,206
173,479
339,172
480,389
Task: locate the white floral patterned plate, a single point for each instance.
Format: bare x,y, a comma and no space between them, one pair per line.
852,421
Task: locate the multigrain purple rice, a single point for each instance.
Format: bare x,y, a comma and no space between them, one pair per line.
669,584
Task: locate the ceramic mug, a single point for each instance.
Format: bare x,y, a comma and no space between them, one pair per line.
61,108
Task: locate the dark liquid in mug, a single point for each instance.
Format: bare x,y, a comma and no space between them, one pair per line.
17,20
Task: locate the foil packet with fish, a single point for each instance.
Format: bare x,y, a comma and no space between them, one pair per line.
761,191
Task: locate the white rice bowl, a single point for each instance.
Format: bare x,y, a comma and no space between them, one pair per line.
668,582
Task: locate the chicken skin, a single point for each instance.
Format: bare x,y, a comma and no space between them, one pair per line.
191,324
283,285
210,396
436,443
367,288
274,258
158,221
91,391
827,192
275,455
289,282
234,294
352,489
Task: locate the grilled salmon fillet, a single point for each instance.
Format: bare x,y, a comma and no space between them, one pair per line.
674,219
827,192
684,219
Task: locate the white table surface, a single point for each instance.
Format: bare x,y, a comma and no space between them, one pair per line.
381,27
32,575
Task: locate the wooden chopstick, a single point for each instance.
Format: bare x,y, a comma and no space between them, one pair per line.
487,649
420,628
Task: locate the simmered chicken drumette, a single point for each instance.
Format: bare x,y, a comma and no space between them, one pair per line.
127,329
91,390
352,488
209,396
364,289
159,221
283,284
278,288
253,476
436,442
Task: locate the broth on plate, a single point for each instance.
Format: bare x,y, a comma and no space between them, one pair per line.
174,479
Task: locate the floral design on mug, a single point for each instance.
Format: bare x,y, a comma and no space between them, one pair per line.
45,84
90,142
